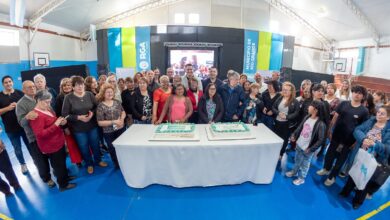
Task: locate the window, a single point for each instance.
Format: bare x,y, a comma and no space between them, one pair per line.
9,37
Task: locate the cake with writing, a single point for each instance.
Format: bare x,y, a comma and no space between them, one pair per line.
174,131
233,130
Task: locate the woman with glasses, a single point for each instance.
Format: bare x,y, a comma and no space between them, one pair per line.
50,138
286,109
142,103
210,106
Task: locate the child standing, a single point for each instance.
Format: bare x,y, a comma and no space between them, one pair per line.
311,135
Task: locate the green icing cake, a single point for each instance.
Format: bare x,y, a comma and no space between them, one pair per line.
230,127
175,128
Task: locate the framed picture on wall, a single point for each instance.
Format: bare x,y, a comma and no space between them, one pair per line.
340,64
41,59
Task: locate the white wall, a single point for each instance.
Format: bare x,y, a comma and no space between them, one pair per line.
376,60
58,47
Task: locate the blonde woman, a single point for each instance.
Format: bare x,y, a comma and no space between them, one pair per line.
286,108
344,94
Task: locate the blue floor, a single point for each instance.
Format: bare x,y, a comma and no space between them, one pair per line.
105,195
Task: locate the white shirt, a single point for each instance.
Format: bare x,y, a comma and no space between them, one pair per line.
306,133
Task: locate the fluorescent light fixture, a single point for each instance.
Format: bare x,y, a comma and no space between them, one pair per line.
274,26
193,18
161,29
180,18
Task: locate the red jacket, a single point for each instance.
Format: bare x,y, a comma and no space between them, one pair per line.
191,96
50,138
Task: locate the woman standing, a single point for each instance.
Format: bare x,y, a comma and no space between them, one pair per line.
111,117
79,107
101,80
194,94
112,80
269,97
50,138
121,85
379,99
160,96
286,109
210,106
74,151
253,105
374,136
142,103
178,107
331,98
344,94
91,85
247,88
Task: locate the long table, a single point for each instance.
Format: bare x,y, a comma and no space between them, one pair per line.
203,163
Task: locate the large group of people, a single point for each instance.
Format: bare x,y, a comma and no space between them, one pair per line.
89,114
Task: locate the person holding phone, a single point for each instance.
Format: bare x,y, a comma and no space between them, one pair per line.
50,138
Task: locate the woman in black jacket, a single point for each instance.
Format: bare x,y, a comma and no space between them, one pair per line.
142,103
269,97
210,106
286,109
309,136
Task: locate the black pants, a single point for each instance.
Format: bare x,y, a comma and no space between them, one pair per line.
360,195
283,131
333,154
58,163
41,162
6,169
194,118
110,137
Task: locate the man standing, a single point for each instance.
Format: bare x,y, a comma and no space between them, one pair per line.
276,77
233,97
170,73
348,115
213,73
189,74
8,99
24,113
152,83
259,80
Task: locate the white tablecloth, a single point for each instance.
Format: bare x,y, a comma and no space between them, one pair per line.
202,163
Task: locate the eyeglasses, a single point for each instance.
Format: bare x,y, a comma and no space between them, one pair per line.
381,113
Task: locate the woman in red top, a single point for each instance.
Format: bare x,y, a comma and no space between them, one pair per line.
194,94
160,96
50,138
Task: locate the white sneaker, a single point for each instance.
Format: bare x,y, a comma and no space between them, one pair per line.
24,168
329,182
322,172
290,173
299,181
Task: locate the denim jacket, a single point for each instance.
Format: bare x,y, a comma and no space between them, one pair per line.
382,149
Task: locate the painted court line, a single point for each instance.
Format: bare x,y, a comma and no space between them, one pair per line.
4,217
374,212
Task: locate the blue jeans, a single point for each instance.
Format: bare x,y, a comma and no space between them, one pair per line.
89,141
302,162
14,137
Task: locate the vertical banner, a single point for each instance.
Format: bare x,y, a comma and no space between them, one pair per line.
142,48
276,52
128,47
114,48
264,51
288,51
360,61
250,52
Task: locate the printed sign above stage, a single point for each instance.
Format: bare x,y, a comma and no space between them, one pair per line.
129,48
250,52
262,51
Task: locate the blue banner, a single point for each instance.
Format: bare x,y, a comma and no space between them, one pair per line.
360,61
142,40
114,48
276,52
250,52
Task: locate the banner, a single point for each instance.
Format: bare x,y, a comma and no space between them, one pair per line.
360,61
143,48
250,52
264,52
128,48
275,62
114,48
